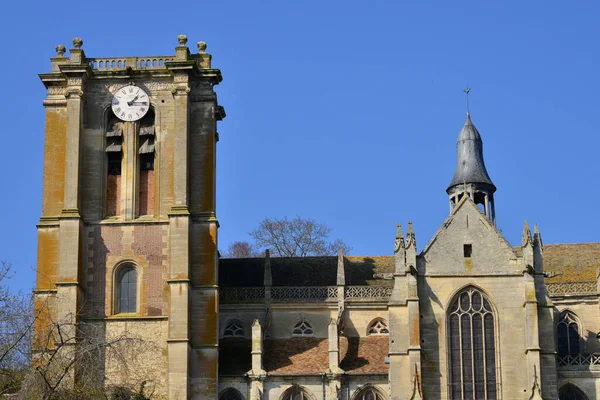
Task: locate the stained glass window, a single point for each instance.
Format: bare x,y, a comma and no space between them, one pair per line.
472,347
567,331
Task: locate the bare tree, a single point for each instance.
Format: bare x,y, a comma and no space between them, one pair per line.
241,250
70,361
298,237
16,325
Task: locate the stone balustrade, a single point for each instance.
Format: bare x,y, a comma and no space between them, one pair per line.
582,361
302,293
122,63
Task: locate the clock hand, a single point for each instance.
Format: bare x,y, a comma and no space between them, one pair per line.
138,103
130,103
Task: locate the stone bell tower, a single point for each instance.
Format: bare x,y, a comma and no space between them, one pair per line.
127,240
471,177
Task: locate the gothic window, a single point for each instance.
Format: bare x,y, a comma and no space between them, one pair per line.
146,164
231,394
472,345
369,393
296,392
126,290
570,392
378,327
303,328
567,332
233,328
114,156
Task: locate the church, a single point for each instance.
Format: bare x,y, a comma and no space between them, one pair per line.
127,245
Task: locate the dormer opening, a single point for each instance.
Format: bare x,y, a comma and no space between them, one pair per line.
467,250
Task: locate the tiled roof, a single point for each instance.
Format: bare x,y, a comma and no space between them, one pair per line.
575,262
365,354
305,355
304,271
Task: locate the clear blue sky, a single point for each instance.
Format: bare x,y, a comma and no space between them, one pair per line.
346,112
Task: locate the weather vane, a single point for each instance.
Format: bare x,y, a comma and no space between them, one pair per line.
467,90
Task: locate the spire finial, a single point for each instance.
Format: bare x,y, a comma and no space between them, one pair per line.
467,90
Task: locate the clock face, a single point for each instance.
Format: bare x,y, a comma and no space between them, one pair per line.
130,103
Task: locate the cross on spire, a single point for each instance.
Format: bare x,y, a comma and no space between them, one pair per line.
467,90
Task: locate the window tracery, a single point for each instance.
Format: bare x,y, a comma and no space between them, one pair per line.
296,392
369,393
570,392
234,328
472,343
378,327
567,333
231,394
303,328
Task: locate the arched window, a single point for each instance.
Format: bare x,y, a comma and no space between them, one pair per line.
231,394
570,392
296,392
567,332
472,345
233,328
369,393
378,327
126,290
303,328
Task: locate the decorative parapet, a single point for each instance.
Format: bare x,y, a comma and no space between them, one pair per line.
572,289
245,294
368,292
579,361
302,293
122,63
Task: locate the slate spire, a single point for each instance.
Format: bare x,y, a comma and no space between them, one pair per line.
471,176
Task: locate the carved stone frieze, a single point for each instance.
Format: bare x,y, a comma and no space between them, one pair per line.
74,81
181,78
57,90
151,86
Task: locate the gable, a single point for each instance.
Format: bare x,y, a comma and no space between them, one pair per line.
468,231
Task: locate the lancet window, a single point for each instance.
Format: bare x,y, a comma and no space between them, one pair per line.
146,164
296,392
472,342
126,290
114,156
369,393
567,332
231,394
570,392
